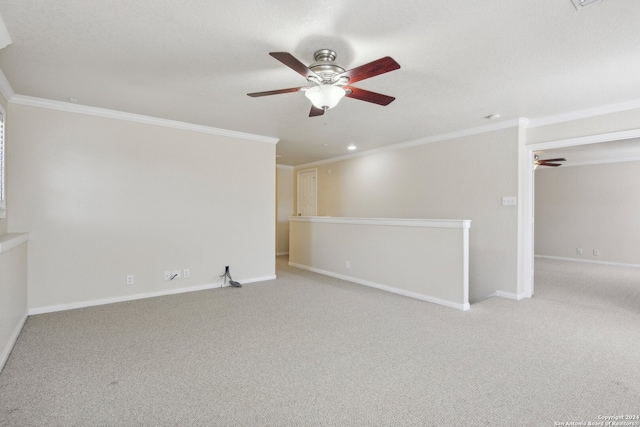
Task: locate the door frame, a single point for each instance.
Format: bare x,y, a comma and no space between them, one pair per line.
527,213
315,202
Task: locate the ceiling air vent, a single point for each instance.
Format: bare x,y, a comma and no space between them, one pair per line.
579,4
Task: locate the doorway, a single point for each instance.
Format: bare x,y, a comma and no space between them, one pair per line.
307,192
526,287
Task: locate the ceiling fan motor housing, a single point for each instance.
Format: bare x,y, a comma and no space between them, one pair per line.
324,66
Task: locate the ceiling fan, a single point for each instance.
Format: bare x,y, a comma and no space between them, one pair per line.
548,162
331,81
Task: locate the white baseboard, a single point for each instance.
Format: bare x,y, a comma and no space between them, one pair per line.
588,261
502,294
259,279
509,295
391,289
6,351
83,304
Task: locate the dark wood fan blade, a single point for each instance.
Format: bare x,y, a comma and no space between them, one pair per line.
562,159
315,111
276,92
555,165
365,95
372,69
297,66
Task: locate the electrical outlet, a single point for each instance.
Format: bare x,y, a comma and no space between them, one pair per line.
186,273
596,252
130,279
347,265
579,251
167,275
176,274
509,201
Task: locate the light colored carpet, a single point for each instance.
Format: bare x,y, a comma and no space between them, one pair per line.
310,350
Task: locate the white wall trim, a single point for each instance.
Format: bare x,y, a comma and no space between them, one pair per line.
422,141
583,114
137,118
83,304
6,351
5,87
588,261
11,240
259,279
510,295
463,307
502,294
397,222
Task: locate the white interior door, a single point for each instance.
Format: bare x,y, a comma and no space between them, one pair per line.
307,192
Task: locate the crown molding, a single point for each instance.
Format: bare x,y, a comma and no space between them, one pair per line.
583,114
284,167
137,118
422,141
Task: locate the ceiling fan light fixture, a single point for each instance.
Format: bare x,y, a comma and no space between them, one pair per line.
325,96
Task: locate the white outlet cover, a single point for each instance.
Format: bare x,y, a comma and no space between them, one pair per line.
509,201
186,273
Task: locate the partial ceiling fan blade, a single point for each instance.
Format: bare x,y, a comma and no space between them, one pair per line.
276,92
315,111
561,159
555,165
297,66
368,96
372,69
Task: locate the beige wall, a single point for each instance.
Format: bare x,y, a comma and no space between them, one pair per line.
284,207
13,297
589,207
3,221
105,198
463,178
428,259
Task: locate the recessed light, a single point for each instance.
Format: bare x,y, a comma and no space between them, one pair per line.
351,147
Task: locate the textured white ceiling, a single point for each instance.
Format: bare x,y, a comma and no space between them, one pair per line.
195,61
